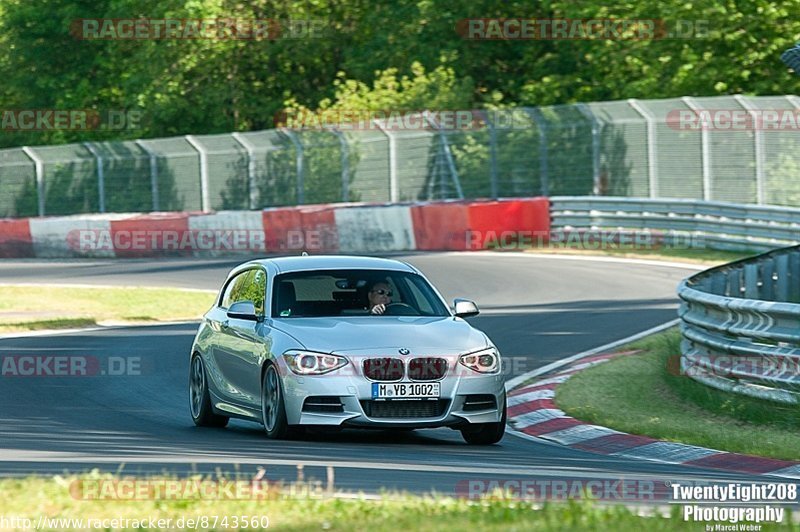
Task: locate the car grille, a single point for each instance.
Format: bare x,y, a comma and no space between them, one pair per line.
384,369
405,409
427,369
480,402
323,404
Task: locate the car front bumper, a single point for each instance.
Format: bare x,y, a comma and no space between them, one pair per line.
354,390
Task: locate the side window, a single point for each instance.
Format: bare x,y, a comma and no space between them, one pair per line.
234,289
255,290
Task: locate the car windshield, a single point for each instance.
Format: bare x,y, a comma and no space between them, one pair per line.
353,293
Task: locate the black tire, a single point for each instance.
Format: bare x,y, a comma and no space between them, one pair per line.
486,433
273,407
199,397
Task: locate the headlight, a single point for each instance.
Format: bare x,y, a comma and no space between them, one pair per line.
484,361
309,363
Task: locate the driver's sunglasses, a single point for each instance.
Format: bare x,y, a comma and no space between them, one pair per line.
382,292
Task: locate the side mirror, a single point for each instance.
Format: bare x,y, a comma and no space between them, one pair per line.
243,310
465,308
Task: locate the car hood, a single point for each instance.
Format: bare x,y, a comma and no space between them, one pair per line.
376,333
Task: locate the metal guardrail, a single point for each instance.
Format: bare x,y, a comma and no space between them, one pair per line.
740,326
740,322
704,224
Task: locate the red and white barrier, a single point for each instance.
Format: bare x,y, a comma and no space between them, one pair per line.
79,235
333,228
375,229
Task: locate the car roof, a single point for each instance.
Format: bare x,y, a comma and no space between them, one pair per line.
333,262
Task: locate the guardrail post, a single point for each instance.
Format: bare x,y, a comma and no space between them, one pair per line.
205,202
585,111
758,140
767,292
734,282
38,165
252,183
153,172
794,276
652,162
717,285
300,167
101,180
751,281
705,149
782,283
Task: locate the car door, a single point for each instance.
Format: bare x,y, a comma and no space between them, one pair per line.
241,349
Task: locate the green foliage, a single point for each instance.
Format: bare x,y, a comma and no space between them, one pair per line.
406,54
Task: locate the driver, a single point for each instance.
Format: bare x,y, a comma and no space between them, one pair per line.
380,295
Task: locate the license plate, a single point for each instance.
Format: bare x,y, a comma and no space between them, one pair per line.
405,390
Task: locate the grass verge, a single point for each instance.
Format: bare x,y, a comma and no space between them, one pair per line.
33,497
638,394
24,308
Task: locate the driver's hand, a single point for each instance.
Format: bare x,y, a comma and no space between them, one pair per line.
378,309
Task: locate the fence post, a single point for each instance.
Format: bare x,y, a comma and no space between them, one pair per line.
758,140
252,183
153,172
705,147
300,166
204,195
394,190
586,112
38,165
345,158
447,154
493,185
101,180
652,163
544,167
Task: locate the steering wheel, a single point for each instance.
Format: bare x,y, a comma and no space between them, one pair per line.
400,309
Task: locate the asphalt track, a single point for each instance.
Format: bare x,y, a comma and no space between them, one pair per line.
537,309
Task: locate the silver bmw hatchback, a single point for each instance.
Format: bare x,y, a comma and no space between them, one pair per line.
340,341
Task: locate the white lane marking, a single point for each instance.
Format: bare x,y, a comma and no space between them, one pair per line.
788,472
516,381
